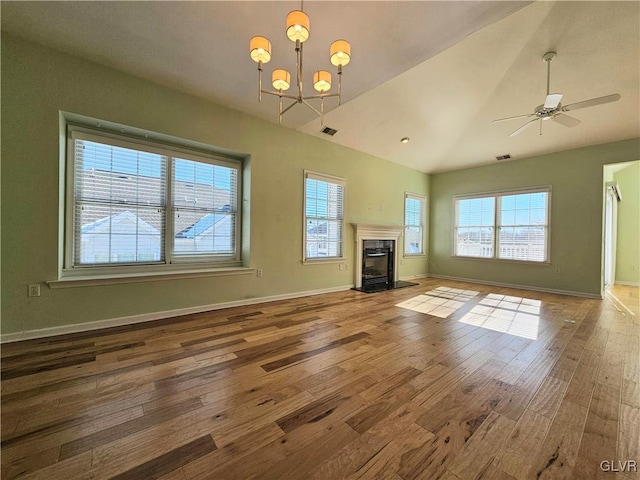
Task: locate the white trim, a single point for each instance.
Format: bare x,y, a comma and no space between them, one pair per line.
519,287
148,317
631,284
413,277
137,277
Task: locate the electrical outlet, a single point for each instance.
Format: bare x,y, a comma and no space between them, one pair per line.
341,267
34,290
259,272
557,270
346,266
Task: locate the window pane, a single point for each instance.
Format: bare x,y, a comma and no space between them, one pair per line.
114,234
474,242
523,243
119,206
523,232
475,226
204,211
476,212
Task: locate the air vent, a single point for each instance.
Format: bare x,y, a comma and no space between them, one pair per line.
329,131
506,156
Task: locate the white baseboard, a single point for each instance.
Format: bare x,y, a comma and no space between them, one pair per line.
148,317
413,277
520,287
630,284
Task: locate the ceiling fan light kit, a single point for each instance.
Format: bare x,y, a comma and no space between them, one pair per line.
552,109
298,31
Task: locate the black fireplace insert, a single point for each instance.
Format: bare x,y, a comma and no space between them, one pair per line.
377,264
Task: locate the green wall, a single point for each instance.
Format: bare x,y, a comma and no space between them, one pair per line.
628,234
38,83
576,180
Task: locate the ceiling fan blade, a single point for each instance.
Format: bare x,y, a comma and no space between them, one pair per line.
523,127
513,118
566,120
553,100
594,101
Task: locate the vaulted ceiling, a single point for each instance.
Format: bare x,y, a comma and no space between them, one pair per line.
437,72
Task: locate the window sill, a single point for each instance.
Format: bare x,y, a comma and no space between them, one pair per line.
95,280
414,255
311,261
502,260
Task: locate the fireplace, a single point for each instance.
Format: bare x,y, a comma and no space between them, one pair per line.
377,264
377,257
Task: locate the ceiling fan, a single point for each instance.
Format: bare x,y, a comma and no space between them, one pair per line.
552,109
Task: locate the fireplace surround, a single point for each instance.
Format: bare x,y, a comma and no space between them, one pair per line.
381,233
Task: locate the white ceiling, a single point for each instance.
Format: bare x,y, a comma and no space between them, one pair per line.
438,72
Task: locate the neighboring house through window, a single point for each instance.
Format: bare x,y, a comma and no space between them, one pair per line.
133,203
324,216
506,225
414,221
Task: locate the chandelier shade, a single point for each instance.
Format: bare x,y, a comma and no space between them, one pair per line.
340,52
297,26
322,81
281,79
260,49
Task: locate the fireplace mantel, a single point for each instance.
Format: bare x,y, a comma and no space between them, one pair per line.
369,231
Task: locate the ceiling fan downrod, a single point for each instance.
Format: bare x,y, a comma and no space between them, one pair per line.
547,57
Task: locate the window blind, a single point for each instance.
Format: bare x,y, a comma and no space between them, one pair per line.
414,218
119,204
324,216
204,208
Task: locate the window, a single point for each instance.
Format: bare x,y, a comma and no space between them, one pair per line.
414,217
521,220
134,203
324,216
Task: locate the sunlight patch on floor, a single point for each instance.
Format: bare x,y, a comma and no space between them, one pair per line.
513,315
439,302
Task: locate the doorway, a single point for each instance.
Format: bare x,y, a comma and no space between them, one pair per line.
620,260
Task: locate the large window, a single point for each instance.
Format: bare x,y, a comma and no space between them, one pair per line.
510,225
414,219
134,203
324,216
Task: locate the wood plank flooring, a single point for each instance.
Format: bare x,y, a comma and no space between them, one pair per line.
443,380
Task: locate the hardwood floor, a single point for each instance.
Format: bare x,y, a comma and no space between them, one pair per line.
443,380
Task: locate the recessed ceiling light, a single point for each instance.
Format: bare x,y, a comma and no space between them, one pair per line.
405,140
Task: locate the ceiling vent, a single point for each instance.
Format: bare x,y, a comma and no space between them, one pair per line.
329,131
506,156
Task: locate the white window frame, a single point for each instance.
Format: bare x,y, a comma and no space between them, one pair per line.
423,200
308,174
172,262
497,196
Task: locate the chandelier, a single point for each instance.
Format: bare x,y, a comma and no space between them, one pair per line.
298,32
